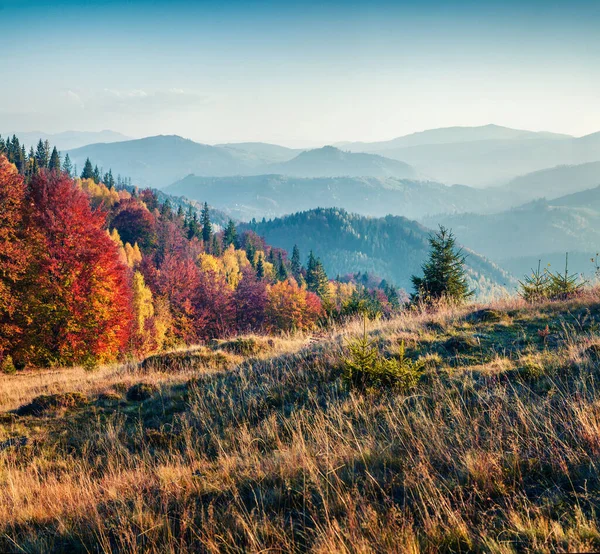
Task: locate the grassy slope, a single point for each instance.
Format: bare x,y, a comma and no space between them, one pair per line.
496,451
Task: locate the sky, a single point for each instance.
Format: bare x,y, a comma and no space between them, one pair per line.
298,74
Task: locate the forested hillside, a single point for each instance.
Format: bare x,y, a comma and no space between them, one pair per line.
390,247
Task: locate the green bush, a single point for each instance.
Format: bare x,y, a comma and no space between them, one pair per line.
364,367
7,365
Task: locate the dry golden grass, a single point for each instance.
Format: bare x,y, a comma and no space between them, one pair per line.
496,451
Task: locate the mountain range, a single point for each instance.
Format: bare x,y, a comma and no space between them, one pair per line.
484,156
161,160
245,197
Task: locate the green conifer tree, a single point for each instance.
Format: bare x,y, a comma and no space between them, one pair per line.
296,265
88,170
206,225
443,273
68,166
282,273
230,235
260,268
54,163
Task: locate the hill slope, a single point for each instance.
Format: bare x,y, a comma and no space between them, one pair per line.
393,248
557,181
210,451
543,229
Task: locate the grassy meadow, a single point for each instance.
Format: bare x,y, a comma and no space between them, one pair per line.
256,444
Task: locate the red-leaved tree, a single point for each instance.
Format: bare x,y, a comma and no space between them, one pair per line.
77,295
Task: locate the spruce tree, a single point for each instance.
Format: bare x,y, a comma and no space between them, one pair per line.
260,268
316,278
206,225
96,176
41,155
443,273
296,266
282,273
88,170
250,252
216,246
68,166
54,163
230,235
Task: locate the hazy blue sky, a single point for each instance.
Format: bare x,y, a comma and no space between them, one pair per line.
305,72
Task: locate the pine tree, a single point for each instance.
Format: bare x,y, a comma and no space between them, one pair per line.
230,235
282,273
41,155
96,176
88,170
260,268
564,285
443,273
534,287
68,166
316,278
250,252
216,246
296,266
54,164
206,225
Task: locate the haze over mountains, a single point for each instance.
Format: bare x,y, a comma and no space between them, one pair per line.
483,156
439,176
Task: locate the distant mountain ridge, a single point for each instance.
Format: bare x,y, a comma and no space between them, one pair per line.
333,162
68,140
556,181
161,160
484,156
449,135
260,196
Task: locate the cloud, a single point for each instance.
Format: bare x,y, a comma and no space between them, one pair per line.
74,97
144,101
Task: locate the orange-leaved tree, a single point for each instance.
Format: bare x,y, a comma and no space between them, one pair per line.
290,307
14,251
77,303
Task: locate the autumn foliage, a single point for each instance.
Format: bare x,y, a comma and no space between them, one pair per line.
90,274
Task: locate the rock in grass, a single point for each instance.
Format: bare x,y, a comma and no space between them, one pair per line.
141,391
48,402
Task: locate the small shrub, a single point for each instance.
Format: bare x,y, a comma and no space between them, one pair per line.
141,391
365,367
7,365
